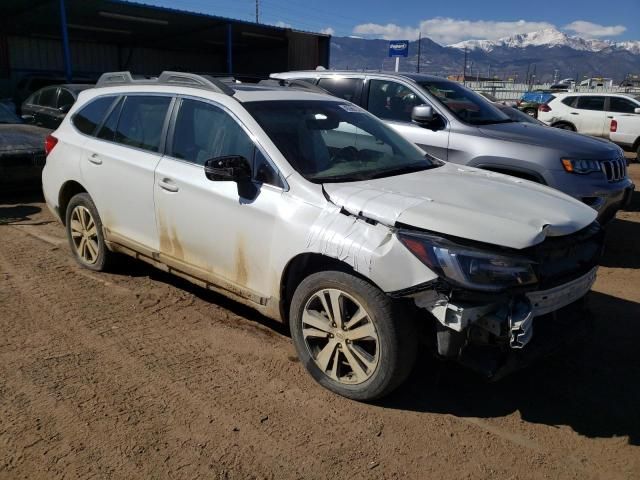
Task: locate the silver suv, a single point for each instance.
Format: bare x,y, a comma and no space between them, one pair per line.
462,127
314,212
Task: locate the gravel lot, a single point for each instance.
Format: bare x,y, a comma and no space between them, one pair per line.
137,374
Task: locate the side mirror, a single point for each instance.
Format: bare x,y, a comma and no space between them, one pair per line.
28,118
234,168
636,110
64,108
422,114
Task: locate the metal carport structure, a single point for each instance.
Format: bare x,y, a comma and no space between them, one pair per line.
83,38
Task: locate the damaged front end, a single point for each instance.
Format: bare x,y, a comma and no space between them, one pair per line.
487,301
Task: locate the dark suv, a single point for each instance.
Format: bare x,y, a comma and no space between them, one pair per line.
48,106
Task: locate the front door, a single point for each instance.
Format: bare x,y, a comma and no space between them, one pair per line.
216,230
393,102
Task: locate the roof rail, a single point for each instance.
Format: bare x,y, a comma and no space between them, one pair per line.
293,83
180,79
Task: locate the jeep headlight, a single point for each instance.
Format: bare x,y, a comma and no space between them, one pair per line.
581,166
469,267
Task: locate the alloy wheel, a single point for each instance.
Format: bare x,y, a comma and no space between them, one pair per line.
340,336
84,234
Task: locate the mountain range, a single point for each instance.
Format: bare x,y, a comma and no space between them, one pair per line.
538,53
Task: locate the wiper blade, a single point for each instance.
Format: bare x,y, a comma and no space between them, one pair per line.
416,167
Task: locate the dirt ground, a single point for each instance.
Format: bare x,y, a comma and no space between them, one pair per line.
137,374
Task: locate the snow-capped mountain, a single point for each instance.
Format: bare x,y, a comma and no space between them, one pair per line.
549,38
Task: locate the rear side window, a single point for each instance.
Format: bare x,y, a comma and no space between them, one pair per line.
346,88
141,121
569,101
621,105
33,99
65,98
91,115
591,103
48,97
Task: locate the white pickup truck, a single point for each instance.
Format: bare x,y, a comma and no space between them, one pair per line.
625,131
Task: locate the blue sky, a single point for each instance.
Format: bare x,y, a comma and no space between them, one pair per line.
446,21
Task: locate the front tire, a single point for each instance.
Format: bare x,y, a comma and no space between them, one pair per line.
351,337
84,232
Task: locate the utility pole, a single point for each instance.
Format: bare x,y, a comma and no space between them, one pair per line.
257,11
419,51
464,70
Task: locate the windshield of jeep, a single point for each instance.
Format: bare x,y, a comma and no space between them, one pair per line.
329,141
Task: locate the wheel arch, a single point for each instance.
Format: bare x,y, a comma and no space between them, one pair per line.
564,122
303,265
525,174
69,189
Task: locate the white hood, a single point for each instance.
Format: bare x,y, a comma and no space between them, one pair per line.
468,203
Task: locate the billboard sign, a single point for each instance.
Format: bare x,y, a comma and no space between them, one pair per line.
399,48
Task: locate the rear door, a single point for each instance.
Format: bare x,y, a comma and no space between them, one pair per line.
343,87
589,116
393,102
119,163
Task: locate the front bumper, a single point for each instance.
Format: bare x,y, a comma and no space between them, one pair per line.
494,337
608,206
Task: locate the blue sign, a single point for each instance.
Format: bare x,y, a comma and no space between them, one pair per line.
399,48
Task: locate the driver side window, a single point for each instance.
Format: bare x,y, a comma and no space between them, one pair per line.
391,100
203,131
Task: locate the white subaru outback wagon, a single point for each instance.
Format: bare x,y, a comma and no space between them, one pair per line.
311,210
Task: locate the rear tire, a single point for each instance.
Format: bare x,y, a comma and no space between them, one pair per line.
532,112
364,351
84,232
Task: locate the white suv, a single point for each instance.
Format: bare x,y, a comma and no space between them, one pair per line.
587,113
315,213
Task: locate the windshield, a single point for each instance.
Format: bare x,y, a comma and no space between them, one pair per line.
7,116
465,104
328,141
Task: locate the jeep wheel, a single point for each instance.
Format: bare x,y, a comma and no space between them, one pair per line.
532,112
84,231
350,336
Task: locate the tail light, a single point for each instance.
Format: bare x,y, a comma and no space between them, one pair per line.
614,126
544,108
49,143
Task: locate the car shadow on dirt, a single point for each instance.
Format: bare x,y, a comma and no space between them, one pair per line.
17,213
591,387
622,246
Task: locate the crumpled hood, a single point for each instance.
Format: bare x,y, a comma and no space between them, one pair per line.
468,203
14,137
563,140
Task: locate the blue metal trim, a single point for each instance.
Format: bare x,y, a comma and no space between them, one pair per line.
229,48
65,42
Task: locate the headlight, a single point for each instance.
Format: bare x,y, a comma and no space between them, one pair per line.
468,267
581,166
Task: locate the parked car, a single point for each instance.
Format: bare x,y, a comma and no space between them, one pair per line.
314,212
587,113
625,131
35,81
48,106
21,152
530,101
462,127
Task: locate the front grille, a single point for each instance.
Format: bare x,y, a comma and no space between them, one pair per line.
562,259
615,170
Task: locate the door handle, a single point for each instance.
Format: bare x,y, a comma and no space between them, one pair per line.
95,159
609,116
575,113
168,185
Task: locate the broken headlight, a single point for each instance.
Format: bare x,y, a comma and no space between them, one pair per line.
468,267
